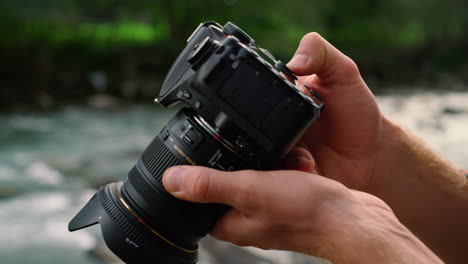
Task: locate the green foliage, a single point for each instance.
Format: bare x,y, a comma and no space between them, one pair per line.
391,40
356,26
93,35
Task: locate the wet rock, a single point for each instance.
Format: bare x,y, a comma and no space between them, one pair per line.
97,183
95,170
105,102
6,192
67,165
452,111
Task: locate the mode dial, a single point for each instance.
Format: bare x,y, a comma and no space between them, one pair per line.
234,30
201,51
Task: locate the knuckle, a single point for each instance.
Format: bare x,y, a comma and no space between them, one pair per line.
350,66
338,190
199,184
377,202
248,195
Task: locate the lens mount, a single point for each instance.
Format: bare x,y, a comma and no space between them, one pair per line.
217,136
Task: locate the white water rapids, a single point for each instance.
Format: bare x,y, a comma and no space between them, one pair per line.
50,163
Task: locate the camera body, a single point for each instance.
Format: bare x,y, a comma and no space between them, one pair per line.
243,113
239,93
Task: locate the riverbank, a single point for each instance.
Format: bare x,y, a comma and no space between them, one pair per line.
51,162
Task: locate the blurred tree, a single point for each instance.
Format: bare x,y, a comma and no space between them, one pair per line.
133,41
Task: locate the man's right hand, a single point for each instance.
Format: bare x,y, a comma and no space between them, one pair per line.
300,211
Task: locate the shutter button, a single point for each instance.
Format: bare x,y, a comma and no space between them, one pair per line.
280,66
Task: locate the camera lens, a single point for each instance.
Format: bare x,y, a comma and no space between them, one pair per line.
139,218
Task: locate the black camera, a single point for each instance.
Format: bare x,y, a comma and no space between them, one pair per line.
244,112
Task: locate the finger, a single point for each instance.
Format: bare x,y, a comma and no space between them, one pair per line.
299,159
317,56
238,189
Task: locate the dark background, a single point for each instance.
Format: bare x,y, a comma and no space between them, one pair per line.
60,52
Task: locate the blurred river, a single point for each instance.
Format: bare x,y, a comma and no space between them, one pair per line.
51,163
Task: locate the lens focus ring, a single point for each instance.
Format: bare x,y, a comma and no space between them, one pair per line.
157,158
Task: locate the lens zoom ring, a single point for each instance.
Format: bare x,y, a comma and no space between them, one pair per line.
152,196
119,219
157,158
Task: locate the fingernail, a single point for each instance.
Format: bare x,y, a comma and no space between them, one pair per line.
299,60
173,179
303,159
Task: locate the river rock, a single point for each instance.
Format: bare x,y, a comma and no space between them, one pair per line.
6,192
452,111
105,102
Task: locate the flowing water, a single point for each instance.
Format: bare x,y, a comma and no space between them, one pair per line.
51,163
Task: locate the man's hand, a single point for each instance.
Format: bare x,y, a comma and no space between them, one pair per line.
301,212
347,138
355,144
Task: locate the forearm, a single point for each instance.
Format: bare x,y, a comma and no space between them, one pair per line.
427,193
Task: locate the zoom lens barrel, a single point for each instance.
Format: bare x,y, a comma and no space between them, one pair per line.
141,213
183,141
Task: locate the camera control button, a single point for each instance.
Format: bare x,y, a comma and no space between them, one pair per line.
190,137
187,94
280,66
201,52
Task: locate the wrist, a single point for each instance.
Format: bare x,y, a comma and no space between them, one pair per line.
370,233
387,157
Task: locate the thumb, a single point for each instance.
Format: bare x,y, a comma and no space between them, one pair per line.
317,56
205,185
299,159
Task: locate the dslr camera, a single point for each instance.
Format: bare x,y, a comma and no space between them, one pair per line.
243,111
